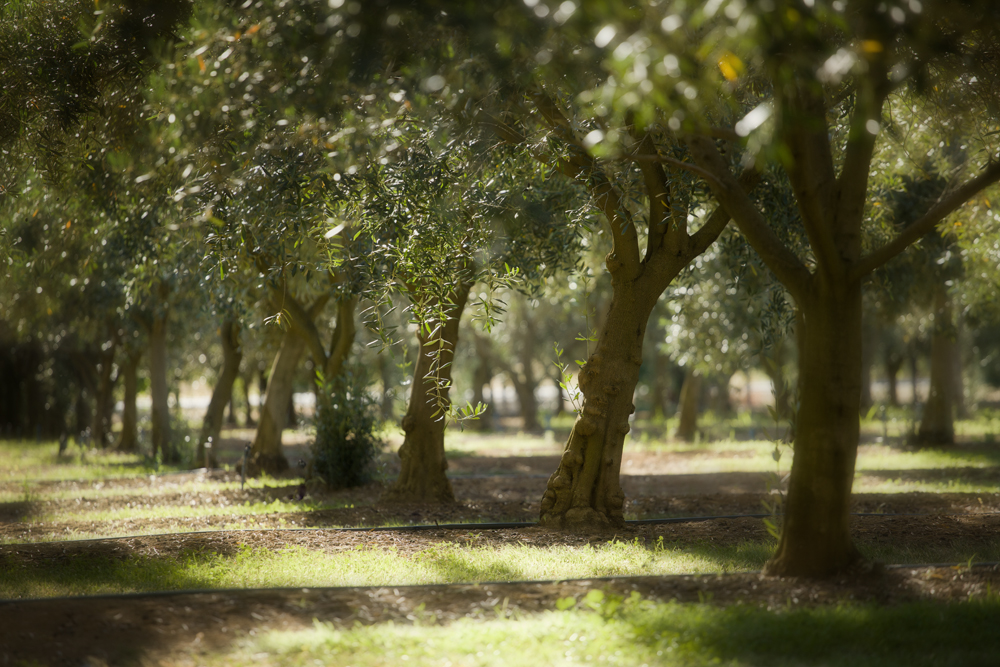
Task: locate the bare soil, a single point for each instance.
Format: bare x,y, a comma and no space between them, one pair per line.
175,628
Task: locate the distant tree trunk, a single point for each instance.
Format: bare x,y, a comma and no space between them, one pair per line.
658,391
869,340
687,426
422,478
525,387
231,411
773,363
159,390
81,410
957,382
266,453
938,424
100,429
482,376
247,380
385,375
291,421
893,363
915,398
128,440
232,355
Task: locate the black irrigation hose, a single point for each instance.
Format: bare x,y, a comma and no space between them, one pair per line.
462,526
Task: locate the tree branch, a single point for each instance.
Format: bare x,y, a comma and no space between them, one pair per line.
730,193
582,166
812,173
708,232
947,204
658,193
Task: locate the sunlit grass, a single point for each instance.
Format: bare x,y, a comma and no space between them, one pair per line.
373,566
41,461
444,563
606,629
186,511
869,484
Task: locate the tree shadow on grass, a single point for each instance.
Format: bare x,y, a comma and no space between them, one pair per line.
95,574
912,634
18,510
454,564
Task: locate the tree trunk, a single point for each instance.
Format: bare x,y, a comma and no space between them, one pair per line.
955,366
524,387
893,362
869,339
585,489
128,440
688,408
659,390
482,376
422,478
211,427
231,412
100,428
774,366
266,454
385,375
247,381
938,424
915,398
159,390
815,537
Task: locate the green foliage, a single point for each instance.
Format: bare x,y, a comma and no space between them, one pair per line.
346,431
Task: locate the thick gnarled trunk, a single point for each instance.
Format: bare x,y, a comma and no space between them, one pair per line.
815,536
422,478
232,355
938,424
585,490
266,454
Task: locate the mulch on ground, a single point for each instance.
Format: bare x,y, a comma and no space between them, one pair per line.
177,628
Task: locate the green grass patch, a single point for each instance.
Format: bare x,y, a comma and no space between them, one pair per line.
369,566
441,564
633,631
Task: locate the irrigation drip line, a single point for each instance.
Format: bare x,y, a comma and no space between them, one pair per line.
465,526
410,587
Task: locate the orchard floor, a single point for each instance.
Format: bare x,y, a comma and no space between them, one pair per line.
502,486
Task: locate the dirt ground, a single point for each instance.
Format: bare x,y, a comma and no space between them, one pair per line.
175,628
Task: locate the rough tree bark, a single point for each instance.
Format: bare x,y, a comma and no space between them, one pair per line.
937,428
687,407
128,439
585,490
422,477
232,355
815,539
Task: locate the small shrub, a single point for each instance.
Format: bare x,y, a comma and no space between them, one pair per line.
346,443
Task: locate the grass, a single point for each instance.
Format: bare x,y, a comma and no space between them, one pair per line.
443,563
364,566
608,629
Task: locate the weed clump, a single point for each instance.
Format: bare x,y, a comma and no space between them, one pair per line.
346,443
